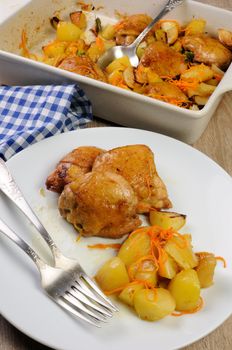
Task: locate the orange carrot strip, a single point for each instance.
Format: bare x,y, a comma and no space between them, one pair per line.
221,259
105,246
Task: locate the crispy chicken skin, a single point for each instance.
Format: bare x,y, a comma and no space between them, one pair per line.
100,204
163,60
83,65
136,164
130,27
71,166
208,50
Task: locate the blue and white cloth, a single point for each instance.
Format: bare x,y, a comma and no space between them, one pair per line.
29,114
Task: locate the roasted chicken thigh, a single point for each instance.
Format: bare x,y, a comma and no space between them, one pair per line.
100,204
136,164
71,166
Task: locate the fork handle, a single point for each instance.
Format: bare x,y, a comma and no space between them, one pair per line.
9,187
7,231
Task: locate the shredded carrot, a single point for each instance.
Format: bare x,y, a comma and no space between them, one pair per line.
100,43
23,46
168,99
105,246
221,259
192,311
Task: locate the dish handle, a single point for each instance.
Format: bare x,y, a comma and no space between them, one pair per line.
226,83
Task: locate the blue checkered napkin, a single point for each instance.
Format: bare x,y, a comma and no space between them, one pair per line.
31,113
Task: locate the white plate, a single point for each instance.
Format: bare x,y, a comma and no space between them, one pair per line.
197,186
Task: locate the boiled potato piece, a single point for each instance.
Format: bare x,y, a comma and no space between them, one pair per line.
152,305
141,49
127,294
79,19
168,268
167,219
134,248
94,52
202,89
144,271
225,37
185,289
108,32
201,100
196,26
118,64
54,49
171,28
160,35
180,249
198,73
112,275
205,270
67,31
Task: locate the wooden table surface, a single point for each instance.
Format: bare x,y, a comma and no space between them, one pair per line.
216,142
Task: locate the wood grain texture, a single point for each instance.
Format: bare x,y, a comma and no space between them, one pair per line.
216,142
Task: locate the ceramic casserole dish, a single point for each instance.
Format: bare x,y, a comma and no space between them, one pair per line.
109,102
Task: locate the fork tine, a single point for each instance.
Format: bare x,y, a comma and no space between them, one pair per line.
74,301
77,294
64,304
81,287
98,291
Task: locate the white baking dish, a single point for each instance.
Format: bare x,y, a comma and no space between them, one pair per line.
110,102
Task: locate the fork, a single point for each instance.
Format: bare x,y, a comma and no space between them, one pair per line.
84,290
63,286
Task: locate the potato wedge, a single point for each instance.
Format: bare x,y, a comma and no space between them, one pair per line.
205,270
202,89
198,73
108,32
166,219
67,31
54,49
195,27
112,275
201,100
225,37
180,249
185,289
152,305
144,271
79,19
118,64
171,28
168,268
134,248
127,294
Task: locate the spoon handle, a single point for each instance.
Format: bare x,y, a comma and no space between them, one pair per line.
171,4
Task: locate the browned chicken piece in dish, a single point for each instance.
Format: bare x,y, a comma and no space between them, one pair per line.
166,92
136,164
100,204
161,59
207,50
83,65
130,27
71,166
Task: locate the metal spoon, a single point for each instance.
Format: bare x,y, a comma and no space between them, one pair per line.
130,50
